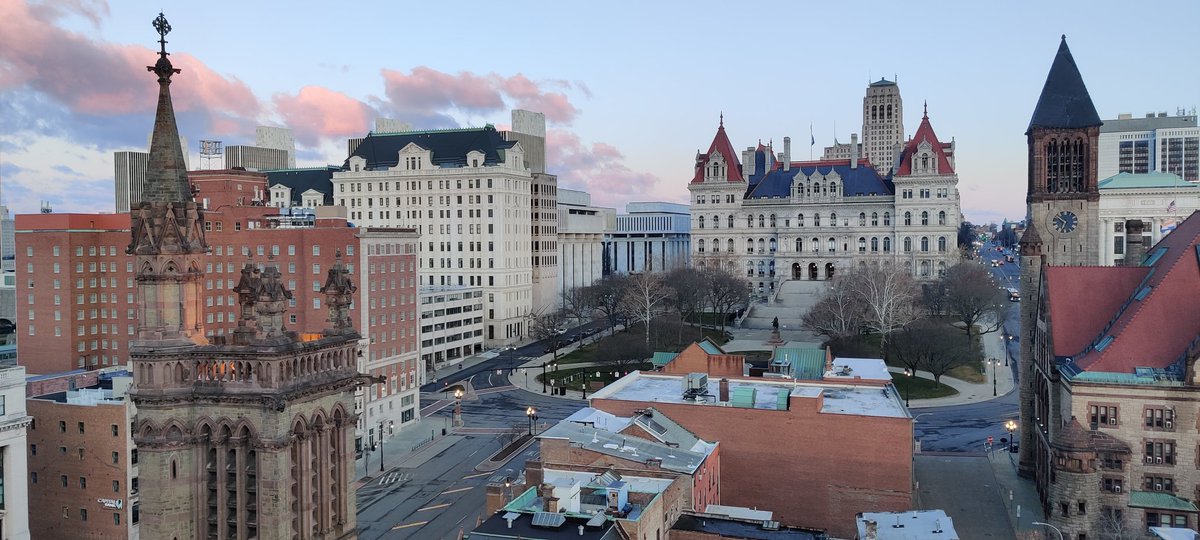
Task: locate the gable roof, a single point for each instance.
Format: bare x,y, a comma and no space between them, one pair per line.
1147,322
720,145
303,180
1065,102
924,133
857,181
448,147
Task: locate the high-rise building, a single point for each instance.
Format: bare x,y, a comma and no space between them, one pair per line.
883,124
129,173
277,138
529,128
1155,143
14,465
255,158
248,436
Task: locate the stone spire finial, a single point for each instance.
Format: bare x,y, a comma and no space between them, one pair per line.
339,294
166,171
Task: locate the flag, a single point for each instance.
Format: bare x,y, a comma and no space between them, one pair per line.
1171,207
812,141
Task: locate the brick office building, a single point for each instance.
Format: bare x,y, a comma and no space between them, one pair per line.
846,445
84,315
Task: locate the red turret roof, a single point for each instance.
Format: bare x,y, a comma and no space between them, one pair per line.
720,145
924,133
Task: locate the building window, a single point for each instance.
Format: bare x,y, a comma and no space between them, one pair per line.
1114,485
1103,415
82,482
62,426
1156,418
1159,483
908,218
83,514
1160,452
115,430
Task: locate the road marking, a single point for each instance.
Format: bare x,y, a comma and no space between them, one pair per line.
476,475
433,507
407,525
458,490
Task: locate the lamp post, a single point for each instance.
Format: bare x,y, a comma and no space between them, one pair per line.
1011,426
458,394
994,362
391,426
584,374
1060,535
543,377
532,414
907,384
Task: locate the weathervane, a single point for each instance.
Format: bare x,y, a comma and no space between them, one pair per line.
163,67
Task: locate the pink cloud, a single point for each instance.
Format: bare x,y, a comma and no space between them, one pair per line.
426,90
318,112
598,168
100,78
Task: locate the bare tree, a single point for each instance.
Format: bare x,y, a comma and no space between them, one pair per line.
577,305
911,347
889,296
647,296
945,351
689,294
726,292
838,314
605,296
1113,525
623,352
973,299
546,326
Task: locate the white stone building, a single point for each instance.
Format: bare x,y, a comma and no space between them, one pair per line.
468,194
451,324
775,219
1160,200
581,229
1155,143
648,237
14,464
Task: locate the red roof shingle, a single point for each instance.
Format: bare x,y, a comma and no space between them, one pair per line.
722,146
924,133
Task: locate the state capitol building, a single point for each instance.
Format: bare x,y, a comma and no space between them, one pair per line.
884,200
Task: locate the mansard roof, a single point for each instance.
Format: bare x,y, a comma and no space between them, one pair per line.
924,133
1065,102
448,147
1146,316
857,181
302,181
720,145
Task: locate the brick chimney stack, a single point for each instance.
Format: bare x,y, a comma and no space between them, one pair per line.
723,392
1135,249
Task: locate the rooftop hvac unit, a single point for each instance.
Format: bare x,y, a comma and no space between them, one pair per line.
1169,424
1158,460
1157,487
1117,489
1112,421
696,381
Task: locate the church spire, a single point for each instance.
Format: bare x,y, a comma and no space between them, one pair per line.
166,172
1065,102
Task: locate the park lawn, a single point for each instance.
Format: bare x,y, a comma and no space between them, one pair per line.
572,378
921,388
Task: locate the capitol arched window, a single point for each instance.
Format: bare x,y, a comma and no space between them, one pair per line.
887,218
924,243
862,245
862,219
942,217
887,244
908,218
772,220
924,218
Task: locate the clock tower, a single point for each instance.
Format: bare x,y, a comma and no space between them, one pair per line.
1063,198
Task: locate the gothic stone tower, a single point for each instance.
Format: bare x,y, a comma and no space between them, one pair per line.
1062,214
245,438
883,124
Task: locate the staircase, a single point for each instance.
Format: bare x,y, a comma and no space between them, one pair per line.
791,302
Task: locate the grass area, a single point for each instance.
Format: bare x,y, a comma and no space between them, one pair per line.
666,333
969,373
920,388
572,378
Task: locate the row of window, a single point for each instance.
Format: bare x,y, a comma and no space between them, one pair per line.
772,220
1154,418
414,185
943,245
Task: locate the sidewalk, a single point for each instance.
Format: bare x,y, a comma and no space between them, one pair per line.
1019,494
993,347
525,376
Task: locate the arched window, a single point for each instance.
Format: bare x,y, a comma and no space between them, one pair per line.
832,245
889,111
924,268
874,243
816,220
941,243
800,220
799,245
761,221
816,245
762,245
771,244
908,218
700,245
862,219
750,221
907,243
729,245
862,245
887,218
874,112
772,220
833,189
730,225
701,222
833,219
924,243
941,268
874,219
942,217
716,245
716,222
887,243
749,245
925,218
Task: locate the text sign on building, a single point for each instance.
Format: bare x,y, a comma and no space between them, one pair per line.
112,503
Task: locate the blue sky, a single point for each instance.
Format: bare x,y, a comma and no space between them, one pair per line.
632,90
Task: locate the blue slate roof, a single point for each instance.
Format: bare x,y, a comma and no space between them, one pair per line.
449,147
1065,102
859,181
301,180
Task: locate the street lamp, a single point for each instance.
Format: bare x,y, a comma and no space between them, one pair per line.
543,377
532,414
994,362
1060,535
458,394
1011,426
391,427
907,384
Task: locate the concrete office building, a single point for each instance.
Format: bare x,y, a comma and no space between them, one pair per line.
1160,201
1154,143
14,467
255,158
129,174
451,324
581,230
529,129
648,237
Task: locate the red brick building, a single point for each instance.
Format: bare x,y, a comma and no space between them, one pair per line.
77,301
846,447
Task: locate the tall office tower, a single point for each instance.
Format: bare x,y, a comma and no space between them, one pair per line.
244,437
883,124
279,139
1155,143
129,174
529,128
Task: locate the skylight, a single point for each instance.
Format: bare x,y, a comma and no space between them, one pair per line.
1141,294
1154,256
1104,343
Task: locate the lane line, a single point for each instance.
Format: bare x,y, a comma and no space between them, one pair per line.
458,490
407,525
433,507
476,475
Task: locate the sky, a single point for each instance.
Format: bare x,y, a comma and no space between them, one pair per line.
631,90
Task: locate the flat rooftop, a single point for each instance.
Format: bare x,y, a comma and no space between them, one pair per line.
839,397
911,525
724,527
628,447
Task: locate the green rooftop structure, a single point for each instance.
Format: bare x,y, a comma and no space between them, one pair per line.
1146,181
1159,500
804,363
661,359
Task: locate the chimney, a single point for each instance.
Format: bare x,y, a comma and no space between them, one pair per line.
723,392
872,530
1134,249
748,160
853,150
552,505
787,153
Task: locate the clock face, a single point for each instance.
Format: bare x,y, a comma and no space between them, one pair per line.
1065,222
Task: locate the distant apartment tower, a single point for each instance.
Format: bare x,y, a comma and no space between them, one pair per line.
130,174
649,237
529,128
1154,143
581,229
8,243
276,138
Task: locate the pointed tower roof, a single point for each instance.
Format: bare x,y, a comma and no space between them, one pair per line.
166,171
924,133
720,145
1065,102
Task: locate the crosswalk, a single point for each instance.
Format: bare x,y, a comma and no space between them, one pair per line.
394,477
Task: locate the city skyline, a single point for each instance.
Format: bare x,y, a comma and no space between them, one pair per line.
72,84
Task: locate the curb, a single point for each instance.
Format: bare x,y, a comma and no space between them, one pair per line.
489,465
